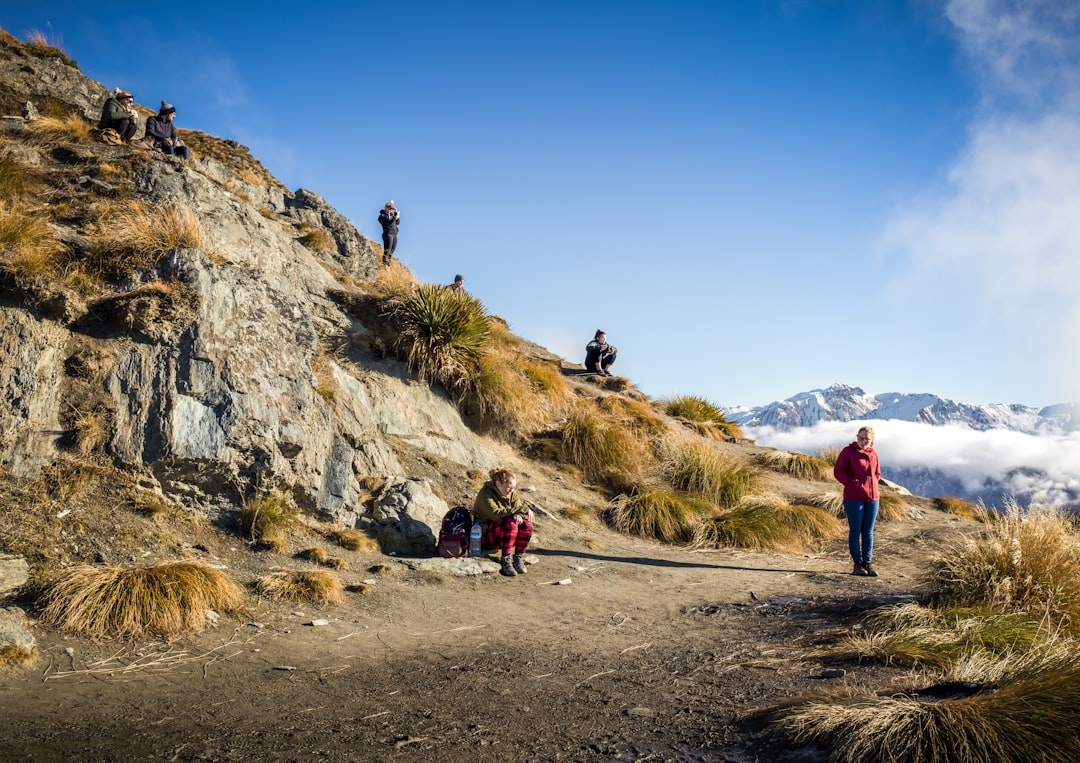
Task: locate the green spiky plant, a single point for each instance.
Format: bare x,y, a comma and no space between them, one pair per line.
442,335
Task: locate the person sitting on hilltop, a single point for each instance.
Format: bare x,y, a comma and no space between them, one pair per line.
389,218
599,355
458,286
506,522
119,114
161,132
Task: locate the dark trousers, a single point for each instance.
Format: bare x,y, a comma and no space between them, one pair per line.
180,151
126,128
389,244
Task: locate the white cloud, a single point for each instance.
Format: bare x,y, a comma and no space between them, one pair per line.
968,455
1000,240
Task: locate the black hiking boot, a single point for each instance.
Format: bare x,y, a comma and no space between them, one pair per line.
870,571
507,566
859,570
519,564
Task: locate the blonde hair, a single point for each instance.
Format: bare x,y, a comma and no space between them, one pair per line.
868,430
501,474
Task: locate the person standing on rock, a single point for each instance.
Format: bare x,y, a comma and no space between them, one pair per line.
599,355
389,218
119,114
505,520
858,470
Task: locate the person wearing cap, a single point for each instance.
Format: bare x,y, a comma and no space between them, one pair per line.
389,217
119,114
161,132
599,355
458,286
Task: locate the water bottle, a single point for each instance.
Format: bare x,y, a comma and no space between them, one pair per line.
474,540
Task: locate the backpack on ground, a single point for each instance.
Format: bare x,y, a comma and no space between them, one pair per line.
454,533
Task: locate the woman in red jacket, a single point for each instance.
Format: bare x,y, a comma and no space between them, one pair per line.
857,469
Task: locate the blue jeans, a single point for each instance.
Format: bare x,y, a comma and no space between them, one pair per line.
861,516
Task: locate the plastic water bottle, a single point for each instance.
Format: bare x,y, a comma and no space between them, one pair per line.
474,540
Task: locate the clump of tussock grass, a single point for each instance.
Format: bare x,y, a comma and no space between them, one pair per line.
606,450
698,468
51,130
703,416
798,465
892,507
638,416
164,600
268,519
661,514
960,507
833,503
1031,717
302,586
442,334
18,180
91,431
1025,562
326,384
768,523
39,45
133,235
319,240
29,249
353,540
500,397
315,555
913,634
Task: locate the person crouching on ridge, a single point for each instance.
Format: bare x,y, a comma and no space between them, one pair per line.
599,355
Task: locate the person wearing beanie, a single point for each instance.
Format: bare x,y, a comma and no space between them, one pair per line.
389,218
119,114
161,132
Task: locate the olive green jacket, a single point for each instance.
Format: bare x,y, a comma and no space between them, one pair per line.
492,507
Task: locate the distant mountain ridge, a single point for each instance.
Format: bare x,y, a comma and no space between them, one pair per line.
841,402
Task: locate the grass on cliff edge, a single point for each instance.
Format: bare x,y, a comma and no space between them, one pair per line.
164,600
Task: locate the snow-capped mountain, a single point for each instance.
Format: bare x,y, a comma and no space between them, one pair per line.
841,402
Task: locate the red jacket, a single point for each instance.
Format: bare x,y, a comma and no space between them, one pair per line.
858,471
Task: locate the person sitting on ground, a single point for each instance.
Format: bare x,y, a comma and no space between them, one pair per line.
506,522
599,355
119,114
161,132
458,285
389,218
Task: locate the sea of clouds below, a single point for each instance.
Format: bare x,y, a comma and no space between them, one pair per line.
1037,469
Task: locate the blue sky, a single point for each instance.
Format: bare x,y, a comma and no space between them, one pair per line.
753,198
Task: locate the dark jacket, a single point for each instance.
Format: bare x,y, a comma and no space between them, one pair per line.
389,219
158,130
112,112
491,507
596,351
857,469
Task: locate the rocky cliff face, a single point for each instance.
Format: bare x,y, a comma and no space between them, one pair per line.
244,360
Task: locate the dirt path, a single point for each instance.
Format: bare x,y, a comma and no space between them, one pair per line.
648,653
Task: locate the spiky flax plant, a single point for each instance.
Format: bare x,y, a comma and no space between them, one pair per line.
442,334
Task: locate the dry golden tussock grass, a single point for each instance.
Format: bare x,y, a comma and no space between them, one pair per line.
769,523
302,586
354,540
132,235
662,514
164,600
15,656
961,508
91,431
798,465
46,131
29,249
268,519
698,468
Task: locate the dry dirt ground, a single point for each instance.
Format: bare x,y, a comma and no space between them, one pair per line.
610,649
